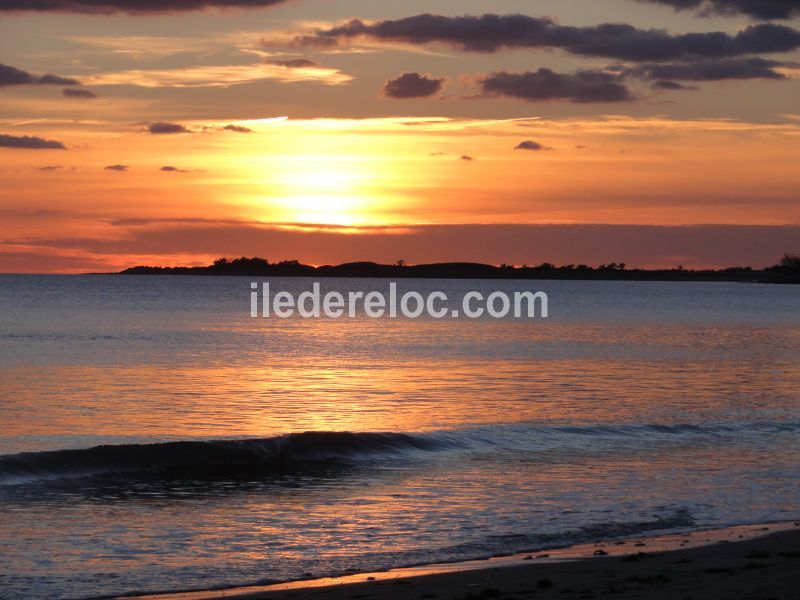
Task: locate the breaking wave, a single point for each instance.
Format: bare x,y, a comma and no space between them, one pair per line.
299,451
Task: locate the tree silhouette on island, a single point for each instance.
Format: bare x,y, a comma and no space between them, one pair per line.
786,271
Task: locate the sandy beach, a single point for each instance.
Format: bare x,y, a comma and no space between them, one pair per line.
755,562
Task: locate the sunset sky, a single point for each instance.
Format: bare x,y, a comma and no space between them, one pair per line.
653,132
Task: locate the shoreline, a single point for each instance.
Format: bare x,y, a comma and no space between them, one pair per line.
709,558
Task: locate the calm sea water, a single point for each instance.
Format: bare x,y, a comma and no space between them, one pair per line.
635,407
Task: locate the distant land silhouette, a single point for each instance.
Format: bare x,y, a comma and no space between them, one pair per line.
786,271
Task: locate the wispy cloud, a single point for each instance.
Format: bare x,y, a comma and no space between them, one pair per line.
219,76
151,46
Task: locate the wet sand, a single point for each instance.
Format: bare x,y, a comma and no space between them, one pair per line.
756,562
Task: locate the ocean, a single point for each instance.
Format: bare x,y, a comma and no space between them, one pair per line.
155,437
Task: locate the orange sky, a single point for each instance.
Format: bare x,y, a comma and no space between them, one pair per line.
258,134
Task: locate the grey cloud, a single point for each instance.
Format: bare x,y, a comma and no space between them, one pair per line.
128,6
491,33
292,63
546,85
531,145
73,93
29,142
53,168
119,168
161,128
13,76
593,86
169,169
412,85
56,80
237,129
467,158
756,9
667,84
710,70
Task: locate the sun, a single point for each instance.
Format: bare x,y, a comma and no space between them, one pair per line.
326,190
326,209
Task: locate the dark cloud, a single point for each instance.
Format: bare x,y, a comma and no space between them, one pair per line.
710,70
467,158
29,142
56,80
610,85
237,129
73,93
292,63
412,85
639,245
161,128
120,168
173,170
12,76
756,9
491,33
666,84
531,145
50,168
128,6
546,85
